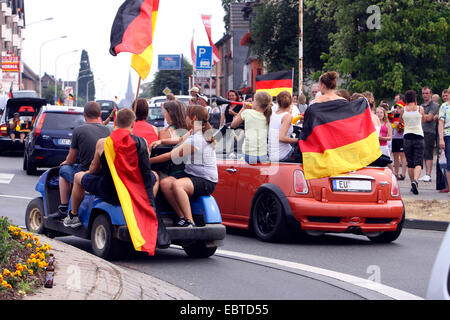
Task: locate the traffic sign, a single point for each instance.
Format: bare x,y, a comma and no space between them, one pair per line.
204,58
169,62
167,90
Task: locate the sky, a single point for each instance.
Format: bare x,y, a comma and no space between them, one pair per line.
87,25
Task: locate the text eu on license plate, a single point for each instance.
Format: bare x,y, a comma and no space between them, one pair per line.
352,185
64,142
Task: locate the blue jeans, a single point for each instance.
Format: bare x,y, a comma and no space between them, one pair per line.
68,171
447,151
256,159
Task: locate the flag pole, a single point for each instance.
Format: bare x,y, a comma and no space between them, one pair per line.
300,47
137,95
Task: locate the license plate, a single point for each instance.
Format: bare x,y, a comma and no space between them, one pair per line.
64,142
352,185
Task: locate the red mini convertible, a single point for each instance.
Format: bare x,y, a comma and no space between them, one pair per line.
273,199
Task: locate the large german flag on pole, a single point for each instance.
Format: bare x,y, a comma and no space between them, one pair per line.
275,82
338,136
128,162
133,30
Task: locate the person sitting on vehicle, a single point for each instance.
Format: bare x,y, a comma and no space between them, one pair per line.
81,153
15,127
280,129
98,180
256,118
200,173
175,114
141,127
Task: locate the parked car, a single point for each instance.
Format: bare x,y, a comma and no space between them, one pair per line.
104,224
48,143
156,117
274,199
157,101
28,109
107,106
25,94
439,285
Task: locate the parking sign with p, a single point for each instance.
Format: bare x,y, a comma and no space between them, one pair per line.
204,58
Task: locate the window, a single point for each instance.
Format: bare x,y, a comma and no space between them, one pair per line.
63,121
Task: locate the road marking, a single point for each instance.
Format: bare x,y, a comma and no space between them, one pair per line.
356,281
15,197
6,178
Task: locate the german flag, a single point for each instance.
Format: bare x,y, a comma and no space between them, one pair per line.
128,162
59,102
133,30
338,136
275,82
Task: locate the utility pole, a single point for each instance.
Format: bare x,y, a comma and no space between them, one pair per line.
300,47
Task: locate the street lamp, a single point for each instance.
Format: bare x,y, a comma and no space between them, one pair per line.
40,62
85,76
56,64
34,22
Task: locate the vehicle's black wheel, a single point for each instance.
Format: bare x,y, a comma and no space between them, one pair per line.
389,236
34,216
199,250
269,219
24,161
31,168
103,242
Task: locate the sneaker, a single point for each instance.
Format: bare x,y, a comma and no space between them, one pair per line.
401,177
444,190
60,214
181,222
73,222
415,187
188,224
426,178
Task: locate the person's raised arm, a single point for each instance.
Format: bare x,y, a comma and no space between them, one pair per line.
237,120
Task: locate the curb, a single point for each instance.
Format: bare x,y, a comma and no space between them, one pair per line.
426,225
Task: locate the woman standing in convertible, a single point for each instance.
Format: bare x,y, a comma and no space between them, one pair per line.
200,173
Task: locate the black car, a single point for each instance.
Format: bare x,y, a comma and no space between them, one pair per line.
48,143
28,109
107,106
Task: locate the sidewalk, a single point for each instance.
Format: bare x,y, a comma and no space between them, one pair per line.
82,276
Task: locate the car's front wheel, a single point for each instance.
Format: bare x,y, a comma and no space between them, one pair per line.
34,216
268,218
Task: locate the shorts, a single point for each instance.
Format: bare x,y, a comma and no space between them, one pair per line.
430,142
397,145
447,151
256,159
68,171
98,186
202,187
414,152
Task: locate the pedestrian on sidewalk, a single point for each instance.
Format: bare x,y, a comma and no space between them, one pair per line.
397,140
413,116
444,135
431,111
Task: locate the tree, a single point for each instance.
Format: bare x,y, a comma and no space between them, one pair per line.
146,90
49,93
171,79
407,49
85,76
275,36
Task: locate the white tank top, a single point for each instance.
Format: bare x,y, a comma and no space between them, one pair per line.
413,122
277,149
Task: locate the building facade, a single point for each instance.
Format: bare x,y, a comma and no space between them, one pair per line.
12,17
